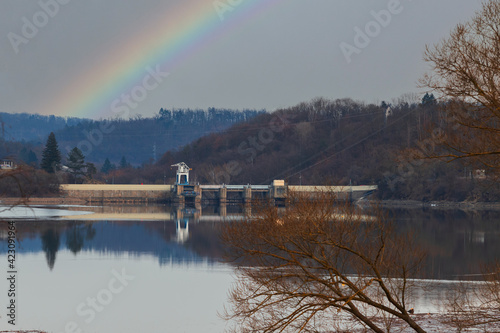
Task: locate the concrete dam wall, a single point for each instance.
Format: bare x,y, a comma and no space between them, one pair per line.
118,193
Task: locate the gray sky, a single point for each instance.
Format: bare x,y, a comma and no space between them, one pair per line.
277,56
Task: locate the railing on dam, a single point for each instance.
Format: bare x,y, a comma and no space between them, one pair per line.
116,187
235,187
221,193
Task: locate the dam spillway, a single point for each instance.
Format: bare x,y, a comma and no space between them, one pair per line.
217,194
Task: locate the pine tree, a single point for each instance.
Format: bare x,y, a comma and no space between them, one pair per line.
51,156
123,163
428,99
91,170
76,162
107,166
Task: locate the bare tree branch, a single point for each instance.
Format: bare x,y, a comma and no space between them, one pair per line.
466,75
318,263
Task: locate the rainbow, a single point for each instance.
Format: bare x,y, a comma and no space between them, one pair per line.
183,31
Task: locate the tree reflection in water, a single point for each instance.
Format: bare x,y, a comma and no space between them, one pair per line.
76,236
50,245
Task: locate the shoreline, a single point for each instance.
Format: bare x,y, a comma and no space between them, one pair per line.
407,204
414,204
42,201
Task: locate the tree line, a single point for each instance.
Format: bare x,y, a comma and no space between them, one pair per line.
319,265
319,142
144,140
338,142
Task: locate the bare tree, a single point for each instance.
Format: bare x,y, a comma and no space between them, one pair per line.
18,185
320,265
466,75
11,184
476,305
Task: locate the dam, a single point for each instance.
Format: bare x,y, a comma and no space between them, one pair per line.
183,192
216,194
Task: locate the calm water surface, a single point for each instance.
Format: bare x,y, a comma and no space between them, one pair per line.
158,269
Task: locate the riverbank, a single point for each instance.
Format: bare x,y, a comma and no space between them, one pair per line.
42,201
23,331
429,322
406,204
409,204
437,323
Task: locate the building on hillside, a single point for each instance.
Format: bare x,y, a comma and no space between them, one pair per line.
7,165
480,174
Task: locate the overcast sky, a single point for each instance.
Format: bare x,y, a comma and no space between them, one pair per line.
272,56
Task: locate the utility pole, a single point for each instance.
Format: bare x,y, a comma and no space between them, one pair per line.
154,152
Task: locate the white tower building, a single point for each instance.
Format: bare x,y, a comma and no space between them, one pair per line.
182,177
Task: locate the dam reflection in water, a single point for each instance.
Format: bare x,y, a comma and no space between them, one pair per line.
457,241
174,256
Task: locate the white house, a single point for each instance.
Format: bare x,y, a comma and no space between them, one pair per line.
7,165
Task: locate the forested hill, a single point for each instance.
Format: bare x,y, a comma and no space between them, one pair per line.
332,142
18,127
141,140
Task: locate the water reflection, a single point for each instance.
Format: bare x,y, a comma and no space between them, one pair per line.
182,230
174,253
50,245
458,242
33,212
76,236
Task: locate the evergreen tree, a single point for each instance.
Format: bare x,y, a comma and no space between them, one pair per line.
91,170
428,99
107,166
76,162
384,105
51,156
123,163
